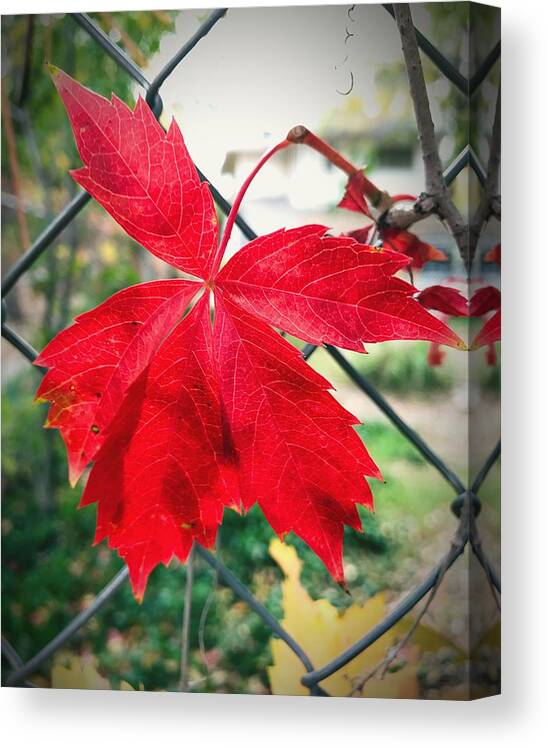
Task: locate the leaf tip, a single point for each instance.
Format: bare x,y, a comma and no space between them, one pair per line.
376,474
53,70
237,506
74,475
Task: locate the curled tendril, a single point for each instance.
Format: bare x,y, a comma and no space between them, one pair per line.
351,86
349,35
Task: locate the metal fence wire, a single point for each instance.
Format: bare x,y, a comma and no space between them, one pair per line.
466,504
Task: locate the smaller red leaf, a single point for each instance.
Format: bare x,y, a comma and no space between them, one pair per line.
354,194
410,245
444,299
363,236
489,333
484,300
491,355
403,198
493,255
435,355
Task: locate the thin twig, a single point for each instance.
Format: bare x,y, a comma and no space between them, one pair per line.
404,216
15,172
131,47
185,634
360,682
207,606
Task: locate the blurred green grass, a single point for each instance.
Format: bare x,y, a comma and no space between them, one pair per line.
399,367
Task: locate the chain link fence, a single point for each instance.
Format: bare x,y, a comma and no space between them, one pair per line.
466,504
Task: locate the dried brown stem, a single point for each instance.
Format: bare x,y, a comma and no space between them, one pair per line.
15,172
360,682
462,534
132,48
301,134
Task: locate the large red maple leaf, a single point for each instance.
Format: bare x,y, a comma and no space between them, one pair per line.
182,418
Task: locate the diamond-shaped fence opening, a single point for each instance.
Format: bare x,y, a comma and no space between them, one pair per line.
466,503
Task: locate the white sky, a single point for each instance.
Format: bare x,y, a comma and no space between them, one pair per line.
261,71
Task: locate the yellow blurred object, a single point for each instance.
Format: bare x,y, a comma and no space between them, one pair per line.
324,632
63,252
62,161
72,671
108,252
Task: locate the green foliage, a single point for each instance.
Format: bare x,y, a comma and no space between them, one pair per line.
396,367
387,440
56,39
404,369
45,152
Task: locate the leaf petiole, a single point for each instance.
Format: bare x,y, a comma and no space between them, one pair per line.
302,135
238,201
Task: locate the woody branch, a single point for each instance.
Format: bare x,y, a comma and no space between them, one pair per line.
437,197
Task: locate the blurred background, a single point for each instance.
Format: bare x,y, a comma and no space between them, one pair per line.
337,70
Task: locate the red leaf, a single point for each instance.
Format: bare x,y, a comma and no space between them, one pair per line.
410,244
489,333
297,455
354,194
491,355
165,473
93,363
484,300
183,420
329,290
435,355
363,236
144,178
493,255
443,299
404,198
